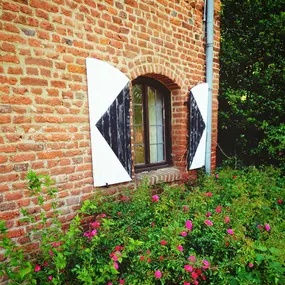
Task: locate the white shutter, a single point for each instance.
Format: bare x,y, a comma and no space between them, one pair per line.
198,103
109,103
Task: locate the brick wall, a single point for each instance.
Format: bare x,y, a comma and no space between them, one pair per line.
43,93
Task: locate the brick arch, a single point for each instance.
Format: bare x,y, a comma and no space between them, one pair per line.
159,69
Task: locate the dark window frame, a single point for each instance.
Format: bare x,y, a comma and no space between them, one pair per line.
152,83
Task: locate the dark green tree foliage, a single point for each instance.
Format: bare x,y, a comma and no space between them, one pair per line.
252,90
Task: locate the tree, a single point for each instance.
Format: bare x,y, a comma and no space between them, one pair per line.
252,90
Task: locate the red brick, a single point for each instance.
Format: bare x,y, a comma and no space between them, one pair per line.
30,147
38,61
5,168
34,81
42,14
8,80
3,159
10,6
9,58
50,154
16,233
5,119
15,70
11,28
9,215
23,157
12,38
8,148
44,5
13,195
58,84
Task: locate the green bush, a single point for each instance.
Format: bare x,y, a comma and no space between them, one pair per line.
252,81
227,230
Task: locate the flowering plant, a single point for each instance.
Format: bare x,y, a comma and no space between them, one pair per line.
170,238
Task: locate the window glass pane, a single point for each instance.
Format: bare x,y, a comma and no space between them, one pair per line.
139,154
138,115
160,134
151,106
159,115
159,100
160,152
137,94
152,135
153,153
139,134
151,96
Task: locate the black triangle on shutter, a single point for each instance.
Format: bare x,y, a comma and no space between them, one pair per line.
196,128
115,127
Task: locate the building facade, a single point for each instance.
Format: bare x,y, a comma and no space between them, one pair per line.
55,54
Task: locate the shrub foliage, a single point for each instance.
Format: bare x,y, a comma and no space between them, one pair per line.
229,229
251,111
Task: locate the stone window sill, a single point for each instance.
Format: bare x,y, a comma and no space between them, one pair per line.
163,175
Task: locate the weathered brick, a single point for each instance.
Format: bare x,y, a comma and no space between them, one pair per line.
28,32
21,167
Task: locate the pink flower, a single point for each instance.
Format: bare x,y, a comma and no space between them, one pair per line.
192,258
50,278
45,263
163,242
95,224
188,268
119,247
122,281
280,201
250,265
91,234
116,266
230,231
141,258
185,208
180,247
227,219
206,263
119,213
208,214
155,198
186,283
209,194
217,176
110,283
157,274
189,225
219,209
184,234
194,275
51,253
208,223
267,227
259,227
37,268
114,257
196,282
56,244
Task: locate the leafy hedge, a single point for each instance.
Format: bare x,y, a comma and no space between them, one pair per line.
252,81
229,229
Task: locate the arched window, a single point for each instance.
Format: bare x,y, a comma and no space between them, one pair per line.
152,124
